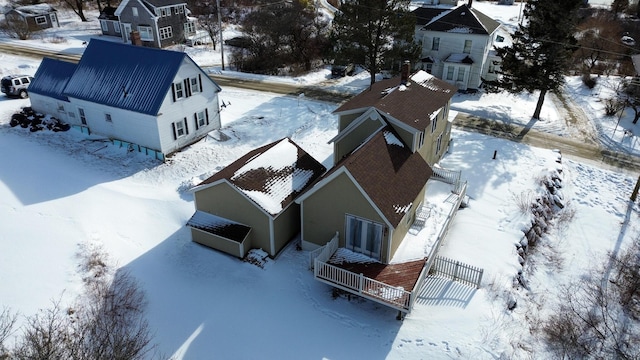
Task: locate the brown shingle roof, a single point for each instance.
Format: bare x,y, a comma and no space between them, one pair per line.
390,174
412,104
464,20
272,175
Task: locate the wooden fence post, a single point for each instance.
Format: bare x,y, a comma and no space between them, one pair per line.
634,194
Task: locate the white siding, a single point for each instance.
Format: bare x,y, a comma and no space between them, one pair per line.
171,111
125,125
47,105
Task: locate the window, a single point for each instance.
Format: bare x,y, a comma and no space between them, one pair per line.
364,236
24,80
420,139
41,20
460,74
104,25
116,27
190,27
181,9
434,123
429,67
492,68
195,85
499,38
438,144
178,90
145,33
60,107
83,118
166,12
467,47
107,117
166,32
134,10
176,10
436,44
180,129
449,72
201,119
16,82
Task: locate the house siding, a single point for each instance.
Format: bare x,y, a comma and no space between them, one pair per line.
31,20
176,21
219,243
145,18
125,125
325,210
217,199
286,227
172,111
429,150
453,43
47,105
403,227
355,138
111,28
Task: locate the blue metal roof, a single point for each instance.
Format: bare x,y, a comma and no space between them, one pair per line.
51,78
125,76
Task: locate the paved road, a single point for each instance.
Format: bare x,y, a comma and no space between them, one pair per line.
584,147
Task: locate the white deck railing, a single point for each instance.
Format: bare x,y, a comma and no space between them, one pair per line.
324,253
388,295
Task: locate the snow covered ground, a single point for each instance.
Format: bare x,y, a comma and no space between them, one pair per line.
59,191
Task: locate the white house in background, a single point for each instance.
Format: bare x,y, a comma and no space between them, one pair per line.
152,100
457,46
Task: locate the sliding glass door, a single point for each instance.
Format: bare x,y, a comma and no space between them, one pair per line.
364,236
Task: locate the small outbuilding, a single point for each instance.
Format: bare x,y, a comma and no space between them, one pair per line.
36,17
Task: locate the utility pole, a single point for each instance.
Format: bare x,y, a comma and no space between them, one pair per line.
220,31
634,194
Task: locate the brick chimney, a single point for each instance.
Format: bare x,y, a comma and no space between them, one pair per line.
135,38
404,72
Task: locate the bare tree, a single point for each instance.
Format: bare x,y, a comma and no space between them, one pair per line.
15,27
598,44
44,336
77,6
7,322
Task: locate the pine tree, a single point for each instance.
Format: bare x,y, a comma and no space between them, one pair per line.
541,51
370,32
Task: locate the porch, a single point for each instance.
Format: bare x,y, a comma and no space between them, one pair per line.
396,284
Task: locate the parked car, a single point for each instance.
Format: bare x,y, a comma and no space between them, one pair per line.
239,41
16,85
342,70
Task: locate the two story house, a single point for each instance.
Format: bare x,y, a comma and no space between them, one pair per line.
152,23
457,45
152,100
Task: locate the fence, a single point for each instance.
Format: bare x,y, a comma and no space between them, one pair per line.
324,253
458,271
450,177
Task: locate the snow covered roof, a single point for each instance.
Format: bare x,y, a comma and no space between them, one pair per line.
124,76
272,175
463,20
51,78
34,10
422,95
216,225
388,172
425,14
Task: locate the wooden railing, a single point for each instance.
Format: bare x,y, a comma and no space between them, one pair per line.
377,291
446,175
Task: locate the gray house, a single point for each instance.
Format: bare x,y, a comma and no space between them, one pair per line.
152,23
36,17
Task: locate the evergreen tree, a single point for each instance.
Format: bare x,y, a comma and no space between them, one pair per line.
541,51
370,32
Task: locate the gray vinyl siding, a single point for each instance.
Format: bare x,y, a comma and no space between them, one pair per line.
144,18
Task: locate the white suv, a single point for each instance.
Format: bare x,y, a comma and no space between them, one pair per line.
16,85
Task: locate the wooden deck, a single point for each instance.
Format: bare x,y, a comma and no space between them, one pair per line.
404,275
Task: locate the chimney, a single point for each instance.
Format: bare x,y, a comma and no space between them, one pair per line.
470,4
135,38
404,72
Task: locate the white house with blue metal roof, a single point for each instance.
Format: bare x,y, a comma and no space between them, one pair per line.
47,89
155,101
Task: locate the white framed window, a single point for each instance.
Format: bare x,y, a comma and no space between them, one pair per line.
116,27
190,27
195,85
134,10
166,32
180,129
435,46
60,107
467,47
449,72
461,71
107,117
439,144
420,139
176,10
103,25
201,118
178,90
146,33
166,12
41,20
181,9
434,124
83,117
